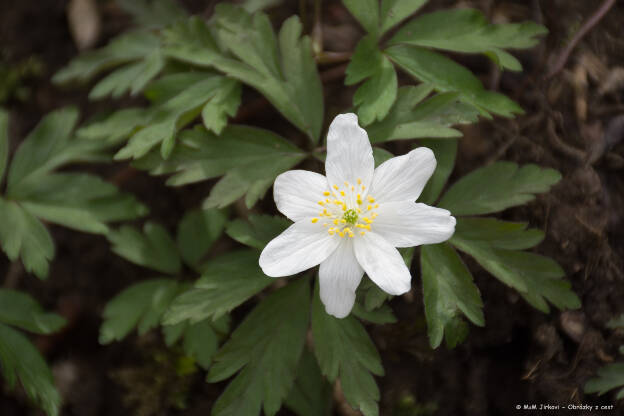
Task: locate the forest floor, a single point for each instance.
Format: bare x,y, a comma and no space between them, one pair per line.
574,122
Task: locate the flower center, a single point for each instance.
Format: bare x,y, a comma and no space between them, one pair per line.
350,216
347,210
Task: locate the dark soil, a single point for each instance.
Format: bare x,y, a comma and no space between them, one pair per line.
521,357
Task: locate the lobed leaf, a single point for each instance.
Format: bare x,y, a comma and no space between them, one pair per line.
258,230
21,310
249,158
445,152
197,232
498,234
311,395
609,377
153,14
344,350
281,68
468,31
24,236
448,289
19,359
395,11
411,118
130,47
496,187
141,305
227,281
266,348
445,75
153,248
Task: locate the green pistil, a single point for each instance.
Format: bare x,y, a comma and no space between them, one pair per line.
350,216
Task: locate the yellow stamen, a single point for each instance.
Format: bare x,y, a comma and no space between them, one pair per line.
326,193
341,234
336,187
359,181
342,193
371,199
376,205
369,207
362,232
314,220
321,203
336,222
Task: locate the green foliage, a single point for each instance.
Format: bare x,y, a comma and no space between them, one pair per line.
258,230
467,30
20,359
376,95
280,67
609,377
445,75
153,13
265,349
311,394
249,158
141,305
496,187
21,310
197,232
495,245
448,289
153,248
199,340
413,118
4,142
139,55
212,296
75,200
344,350
445,152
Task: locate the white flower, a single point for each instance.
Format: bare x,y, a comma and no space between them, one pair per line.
351,221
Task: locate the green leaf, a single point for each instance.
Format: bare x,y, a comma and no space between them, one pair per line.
448,289
141,305
375,97
411,118
21,310
130,47
206,95
381,315
467,30
201,343
311,395
225,103
24,236
153,14
4,142
258,230
79,201
19,359
497,234
536,277
366,13
445,152
394,11
445,75
226,282
381,155
266,349
131,78
253,6
153,248
118,126
497,187
249,157
197,232
609,377
344,350
281,68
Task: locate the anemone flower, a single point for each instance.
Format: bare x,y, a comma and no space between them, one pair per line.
352,220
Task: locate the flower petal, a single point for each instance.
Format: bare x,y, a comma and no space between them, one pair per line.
349,153
383,263
408,224
303,245
339,276
403,178
297,193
